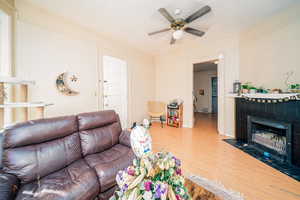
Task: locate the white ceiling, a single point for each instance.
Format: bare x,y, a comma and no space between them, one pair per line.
129,21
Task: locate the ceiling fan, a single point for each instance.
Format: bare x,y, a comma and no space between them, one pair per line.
179,24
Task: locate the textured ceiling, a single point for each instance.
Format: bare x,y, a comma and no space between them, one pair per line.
129,21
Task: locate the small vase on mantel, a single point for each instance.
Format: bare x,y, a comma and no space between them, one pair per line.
245,91
252,91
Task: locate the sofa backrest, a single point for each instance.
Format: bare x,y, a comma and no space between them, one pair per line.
37,148
98,131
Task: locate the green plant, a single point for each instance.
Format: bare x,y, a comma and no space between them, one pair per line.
246,85
294,86
252,88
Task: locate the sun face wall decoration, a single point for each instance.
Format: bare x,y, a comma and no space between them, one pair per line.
62,85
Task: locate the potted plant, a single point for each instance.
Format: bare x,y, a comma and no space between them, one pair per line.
294,88
252,89
245,88
276,91
262,90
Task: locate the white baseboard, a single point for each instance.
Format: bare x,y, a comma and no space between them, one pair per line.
227,135
187,126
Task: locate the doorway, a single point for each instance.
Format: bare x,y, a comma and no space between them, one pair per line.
214,95
115,87
205,91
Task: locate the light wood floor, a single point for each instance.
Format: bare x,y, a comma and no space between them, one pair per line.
203,153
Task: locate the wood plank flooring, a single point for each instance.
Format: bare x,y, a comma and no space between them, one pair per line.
203,153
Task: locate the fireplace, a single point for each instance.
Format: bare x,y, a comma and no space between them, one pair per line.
271,138
270,132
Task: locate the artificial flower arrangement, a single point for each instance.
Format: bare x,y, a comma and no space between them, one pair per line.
152,177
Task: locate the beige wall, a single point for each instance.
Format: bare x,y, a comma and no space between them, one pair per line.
174,75
48,45
202,80
270,49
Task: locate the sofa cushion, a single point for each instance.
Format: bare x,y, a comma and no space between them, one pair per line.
38,131
75,182
108,163
99,131
100,139
96,119
125,138
33,161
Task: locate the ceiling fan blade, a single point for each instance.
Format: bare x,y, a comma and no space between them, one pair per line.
160,31
204,10
194,31
166,14
172,41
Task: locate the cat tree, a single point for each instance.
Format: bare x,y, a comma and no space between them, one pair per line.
20,106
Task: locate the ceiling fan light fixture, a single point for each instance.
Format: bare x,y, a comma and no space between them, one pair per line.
178,24
177,34
177,11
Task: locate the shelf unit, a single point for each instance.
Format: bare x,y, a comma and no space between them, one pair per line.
21,105
175,116
15,81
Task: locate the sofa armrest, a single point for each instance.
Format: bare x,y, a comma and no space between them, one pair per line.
9,185
124,138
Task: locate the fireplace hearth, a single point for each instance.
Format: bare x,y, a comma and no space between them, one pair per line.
284,167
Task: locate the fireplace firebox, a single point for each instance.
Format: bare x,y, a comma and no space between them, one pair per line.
272,138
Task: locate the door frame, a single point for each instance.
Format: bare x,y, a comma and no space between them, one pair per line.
100,87
221,88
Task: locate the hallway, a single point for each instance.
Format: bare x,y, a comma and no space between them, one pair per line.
206,119
205,154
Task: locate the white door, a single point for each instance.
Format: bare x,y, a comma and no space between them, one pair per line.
115,87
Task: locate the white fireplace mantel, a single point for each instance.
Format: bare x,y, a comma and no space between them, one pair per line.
265,96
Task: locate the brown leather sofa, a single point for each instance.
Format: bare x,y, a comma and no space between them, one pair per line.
64,158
